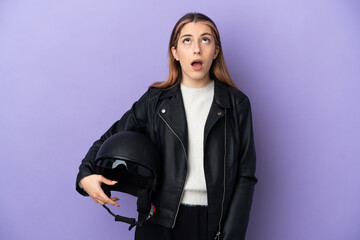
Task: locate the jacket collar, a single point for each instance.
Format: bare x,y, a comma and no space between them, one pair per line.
220,93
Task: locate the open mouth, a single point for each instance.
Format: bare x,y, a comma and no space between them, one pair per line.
197,64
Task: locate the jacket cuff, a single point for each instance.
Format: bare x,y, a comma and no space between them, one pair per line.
80,176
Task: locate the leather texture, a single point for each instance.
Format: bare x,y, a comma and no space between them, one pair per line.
229,155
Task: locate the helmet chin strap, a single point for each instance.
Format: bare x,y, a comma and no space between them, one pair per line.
131,221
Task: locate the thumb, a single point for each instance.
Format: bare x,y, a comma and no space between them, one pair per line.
108,181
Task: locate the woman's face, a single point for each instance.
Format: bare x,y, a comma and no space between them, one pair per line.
195,51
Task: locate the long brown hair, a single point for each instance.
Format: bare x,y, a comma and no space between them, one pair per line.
218,68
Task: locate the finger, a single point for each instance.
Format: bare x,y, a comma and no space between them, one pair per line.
114,199
112,202
97,200
107,181
105,199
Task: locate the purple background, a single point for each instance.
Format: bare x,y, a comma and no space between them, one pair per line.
69,69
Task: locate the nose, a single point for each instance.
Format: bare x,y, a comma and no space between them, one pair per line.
197,48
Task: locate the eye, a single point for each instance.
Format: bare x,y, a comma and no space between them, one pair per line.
186,40
205,40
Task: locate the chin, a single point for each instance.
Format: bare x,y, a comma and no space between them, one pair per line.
197,76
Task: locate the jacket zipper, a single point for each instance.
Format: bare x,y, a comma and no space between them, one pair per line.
217,236
182,144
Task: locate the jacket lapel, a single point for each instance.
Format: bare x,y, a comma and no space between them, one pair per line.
173,113
217,109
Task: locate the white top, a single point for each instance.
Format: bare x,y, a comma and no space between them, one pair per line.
197,102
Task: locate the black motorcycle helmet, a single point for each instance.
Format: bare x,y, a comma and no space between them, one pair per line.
133,160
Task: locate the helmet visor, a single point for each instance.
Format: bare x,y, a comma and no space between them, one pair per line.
131,168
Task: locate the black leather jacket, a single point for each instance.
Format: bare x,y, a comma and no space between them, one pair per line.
229,155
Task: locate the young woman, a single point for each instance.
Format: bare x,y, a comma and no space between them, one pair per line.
203,126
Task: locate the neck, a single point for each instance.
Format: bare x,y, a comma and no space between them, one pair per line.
195,83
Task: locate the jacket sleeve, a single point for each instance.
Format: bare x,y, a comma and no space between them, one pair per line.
238,212
133,120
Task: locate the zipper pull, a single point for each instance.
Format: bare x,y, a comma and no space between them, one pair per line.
217,236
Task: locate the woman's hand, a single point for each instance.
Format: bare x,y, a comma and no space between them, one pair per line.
92,185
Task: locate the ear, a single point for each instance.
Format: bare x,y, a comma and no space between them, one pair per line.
217,50
173,51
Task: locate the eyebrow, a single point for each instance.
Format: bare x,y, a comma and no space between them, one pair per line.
189,35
